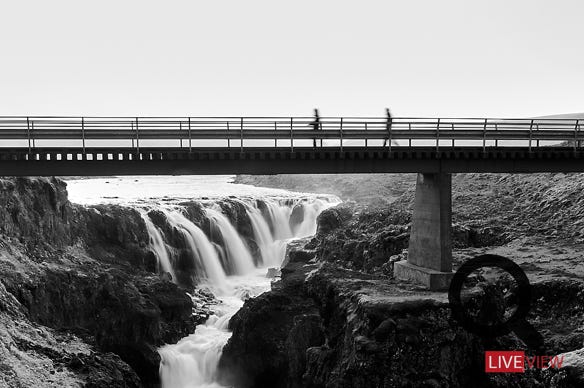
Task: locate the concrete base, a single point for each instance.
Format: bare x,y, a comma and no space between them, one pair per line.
431,234
434,280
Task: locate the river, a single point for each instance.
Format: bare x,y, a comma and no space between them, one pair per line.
221,255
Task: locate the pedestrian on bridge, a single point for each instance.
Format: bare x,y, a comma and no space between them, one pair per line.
388,125
316,126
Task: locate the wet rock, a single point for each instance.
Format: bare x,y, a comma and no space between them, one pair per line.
126,315
296,217
272,273
35,211
254,358
35,356
332,218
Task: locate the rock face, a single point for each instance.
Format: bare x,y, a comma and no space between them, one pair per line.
32,355
360,239
87,272
338,318
35,211
113,234
323,326
254,358
126,315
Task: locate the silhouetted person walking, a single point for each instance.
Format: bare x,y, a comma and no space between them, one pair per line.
316,126
388,125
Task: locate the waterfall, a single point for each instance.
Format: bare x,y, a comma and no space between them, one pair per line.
271,250
193,361
235,250
159,247
203,251
280,216
311,211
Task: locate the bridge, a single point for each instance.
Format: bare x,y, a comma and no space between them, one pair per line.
432,147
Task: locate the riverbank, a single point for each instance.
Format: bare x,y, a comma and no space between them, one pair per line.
369,329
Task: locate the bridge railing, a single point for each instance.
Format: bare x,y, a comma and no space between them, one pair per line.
290,132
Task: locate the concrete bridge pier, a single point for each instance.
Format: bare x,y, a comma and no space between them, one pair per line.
430,248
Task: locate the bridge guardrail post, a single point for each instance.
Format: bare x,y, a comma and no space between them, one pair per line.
180,134
228,136
388,136
190,138
576,141
496,133
410,139
291,134
452,135
32,134
341,136
438,136
83,134
530,134
275,136
485,136
28,136
241,134
365,134
137,140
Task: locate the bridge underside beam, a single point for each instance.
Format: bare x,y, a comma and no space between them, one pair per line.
430,247
300,161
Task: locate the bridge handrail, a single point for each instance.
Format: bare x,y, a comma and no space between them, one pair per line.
566,132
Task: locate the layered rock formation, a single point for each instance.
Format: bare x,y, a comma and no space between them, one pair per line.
323,326
88,273
339,319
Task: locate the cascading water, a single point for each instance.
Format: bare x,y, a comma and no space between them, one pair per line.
272,250
280,216
193,361
159,247
202,250
209,251
311,210
235,249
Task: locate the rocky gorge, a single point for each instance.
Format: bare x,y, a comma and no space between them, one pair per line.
84,300
338,318
109,284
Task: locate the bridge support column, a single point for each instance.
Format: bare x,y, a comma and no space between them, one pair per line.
430,248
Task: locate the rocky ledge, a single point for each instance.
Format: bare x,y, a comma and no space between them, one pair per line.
80,302
324,326
338,318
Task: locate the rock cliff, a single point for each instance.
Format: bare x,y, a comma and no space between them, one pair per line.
338,318
86,272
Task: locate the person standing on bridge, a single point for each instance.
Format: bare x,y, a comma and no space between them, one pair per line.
316,126
388,125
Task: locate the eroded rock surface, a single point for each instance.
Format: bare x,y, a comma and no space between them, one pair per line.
84,272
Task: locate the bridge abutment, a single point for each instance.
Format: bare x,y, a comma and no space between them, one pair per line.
430,248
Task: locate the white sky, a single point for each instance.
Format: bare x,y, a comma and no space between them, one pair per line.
493,58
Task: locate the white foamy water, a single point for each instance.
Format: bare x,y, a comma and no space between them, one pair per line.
163,189
223,263
193,361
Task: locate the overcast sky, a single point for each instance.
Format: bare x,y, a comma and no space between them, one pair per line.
510,58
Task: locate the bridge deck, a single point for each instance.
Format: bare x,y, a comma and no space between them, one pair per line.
117,146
